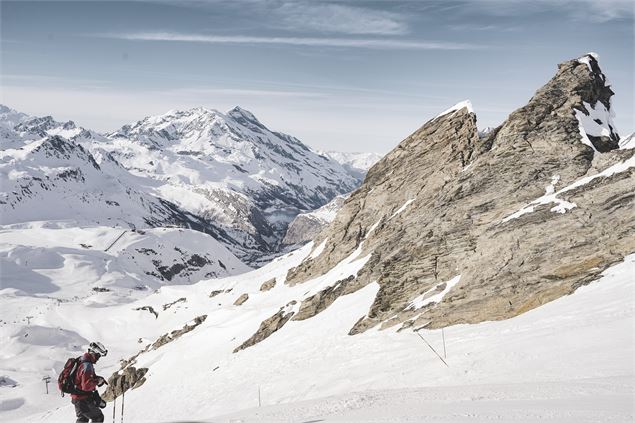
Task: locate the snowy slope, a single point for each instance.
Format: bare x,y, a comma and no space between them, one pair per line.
570,360
77,187
628,141
118,264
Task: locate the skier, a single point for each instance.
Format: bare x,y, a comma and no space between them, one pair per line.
87,406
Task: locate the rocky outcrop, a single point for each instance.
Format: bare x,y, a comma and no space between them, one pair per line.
306,226
169,305
149,309
268,285
269,326
124,380
241,300
315,304
175,334
510,212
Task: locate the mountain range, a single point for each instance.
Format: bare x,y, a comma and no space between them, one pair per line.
225,174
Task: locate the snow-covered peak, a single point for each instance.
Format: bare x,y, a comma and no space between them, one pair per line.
588,58
240,113
198,123
9,117
466,104
482,133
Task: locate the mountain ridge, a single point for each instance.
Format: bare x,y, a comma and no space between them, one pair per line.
227,169
434,208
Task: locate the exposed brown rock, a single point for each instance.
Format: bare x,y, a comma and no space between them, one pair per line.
180,300
319,302
241,300
306,226
169,337
124,380
268,327
150,309
463,187
267,285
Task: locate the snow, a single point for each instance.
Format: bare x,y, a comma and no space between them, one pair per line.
318,250
589,126
402,208
562,206
326,213
550,189
586,60
425,298
627,142
70,262
567,361
458,106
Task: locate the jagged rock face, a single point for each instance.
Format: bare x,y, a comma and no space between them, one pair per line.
444,202
307,226
121,382
268,327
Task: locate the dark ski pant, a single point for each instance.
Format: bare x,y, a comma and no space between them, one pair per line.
86,409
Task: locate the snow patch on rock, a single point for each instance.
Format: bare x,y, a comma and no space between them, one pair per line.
466,104
562,206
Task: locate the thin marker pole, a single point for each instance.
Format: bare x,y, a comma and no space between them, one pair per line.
443,335
433,350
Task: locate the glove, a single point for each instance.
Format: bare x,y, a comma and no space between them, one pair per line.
101,381
97,400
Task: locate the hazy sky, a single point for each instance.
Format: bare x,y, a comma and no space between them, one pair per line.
342,75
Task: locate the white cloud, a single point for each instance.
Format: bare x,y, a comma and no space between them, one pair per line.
598,11
328,17
368,43
602,10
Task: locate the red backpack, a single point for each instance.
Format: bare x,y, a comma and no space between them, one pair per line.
66,379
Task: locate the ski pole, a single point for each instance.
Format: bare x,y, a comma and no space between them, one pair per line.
123,395
114,407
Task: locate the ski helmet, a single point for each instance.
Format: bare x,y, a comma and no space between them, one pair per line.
97,348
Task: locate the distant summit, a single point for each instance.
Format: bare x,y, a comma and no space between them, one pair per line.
222,173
